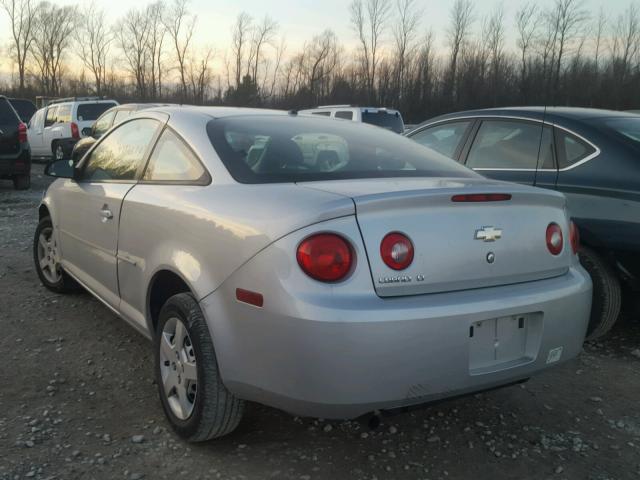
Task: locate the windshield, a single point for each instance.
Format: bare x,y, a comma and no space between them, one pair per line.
24,108
91,111
627,127
270,149
389,120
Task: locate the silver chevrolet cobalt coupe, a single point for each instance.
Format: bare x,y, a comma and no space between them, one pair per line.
322,267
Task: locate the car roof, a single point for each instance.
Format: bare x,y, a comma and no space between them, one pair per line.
215,112
538,113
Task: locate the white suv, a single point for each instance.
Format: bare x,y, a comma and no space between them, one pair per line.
54,129
381,117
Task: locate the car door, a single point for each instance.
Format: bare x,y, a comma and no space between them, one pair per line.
34,133
446,138
512,150
174,171
90,207
48,133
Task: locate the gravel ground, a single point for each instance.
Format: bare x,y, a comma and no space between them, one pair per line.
78,401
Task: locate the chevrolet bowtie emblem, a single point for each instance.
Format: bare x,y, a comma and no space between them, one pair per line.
488,234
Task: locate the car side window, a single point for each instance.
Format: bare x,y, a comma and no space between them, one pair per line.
345,115
571,149
103,124
120,155
52,115
173,161
509,144
444,138
323,114
64,114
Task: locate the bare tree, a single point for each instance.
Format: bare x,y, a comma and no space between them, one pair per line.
180,26
526,25
93,39
200,75
321,61
461,18
263,34
22,16
240,38
369,18
52,33
600,27
495,34
132,34
626,40
155,43
404,33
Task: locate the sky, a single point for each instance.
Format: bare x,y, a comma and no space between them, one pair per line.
300,20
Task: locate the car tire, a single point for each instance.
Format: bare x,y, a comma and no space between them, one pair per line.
22,182
209,410
58,151
61,282
607,294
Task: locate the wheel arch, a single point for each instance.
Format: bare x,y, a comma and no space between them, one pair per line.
164,283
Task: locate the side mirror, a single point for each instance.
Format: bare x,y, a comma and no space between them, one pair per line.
61,169
87,132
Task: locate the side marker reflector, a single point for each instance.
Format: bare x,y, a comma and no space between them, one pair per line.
247,296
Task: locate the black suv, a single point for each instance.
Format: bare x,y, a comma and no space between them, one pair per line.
15,155
592,156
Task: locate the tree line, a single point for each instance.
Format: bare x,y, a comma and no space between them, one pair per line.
563,54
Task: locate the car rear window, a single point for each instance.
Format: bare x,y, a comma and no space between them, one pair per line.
272,149
7,114
24,108
389,120
91,111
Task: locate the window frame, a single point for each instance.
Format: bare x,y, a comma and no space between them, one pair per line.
457,154
344,112
145,157
594,151
203,181
46,116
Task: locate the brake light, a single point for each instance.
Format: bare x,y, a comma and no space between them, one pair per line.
574,238
554,239
75,133
396,251
481,197
22,133
326,257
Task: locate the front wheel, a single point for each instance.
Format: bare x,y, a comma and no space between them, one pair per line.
607,295
195,401
46,256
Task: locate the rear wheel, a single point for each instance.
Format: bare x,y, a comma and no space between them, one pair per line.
195,401
47,259
22,182
607,297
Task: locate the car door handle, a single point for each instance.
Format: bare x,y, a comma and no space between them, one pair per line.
106,214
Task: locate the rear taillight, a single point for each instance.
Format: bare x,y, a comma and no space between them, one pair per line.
481,197
75,133
574,238
396,250
326,257
22,133
554,239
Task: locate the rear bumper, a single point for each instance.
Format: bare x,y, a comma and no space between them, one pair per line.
333,361
17,164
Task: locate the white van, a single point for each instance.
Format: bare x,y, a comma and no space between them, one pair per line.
381,117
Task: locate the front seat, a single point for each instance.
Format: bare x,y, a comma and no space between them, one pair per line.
281,154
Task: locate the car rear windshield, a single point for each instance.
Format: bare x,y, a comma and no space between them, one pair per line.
7,114
628,128
389,120
24,108
91,111
273,149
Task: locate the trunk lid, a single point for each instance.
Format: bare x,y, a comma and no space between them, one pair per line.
448,255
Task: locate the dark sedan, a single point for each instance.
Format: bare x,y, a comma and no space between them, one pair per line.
592,156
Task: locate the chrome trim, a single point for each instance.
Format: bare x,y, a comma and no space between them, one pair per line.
515,117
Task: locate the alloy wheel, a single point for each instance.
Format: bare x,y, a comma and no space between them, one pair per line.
178,368
48,258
